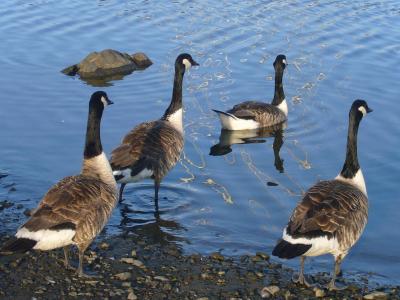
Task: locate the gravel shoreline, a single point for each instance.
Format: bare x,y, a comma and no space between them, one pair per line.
137,267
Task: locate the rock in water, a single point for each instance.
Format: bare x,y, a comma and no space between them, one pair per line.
108,63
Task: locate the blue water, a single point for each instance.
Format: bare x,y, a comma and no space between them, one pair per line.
337,52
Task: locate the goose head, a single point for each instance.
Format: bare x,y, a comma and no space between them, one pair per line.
280,62
360,109
185,61
99,100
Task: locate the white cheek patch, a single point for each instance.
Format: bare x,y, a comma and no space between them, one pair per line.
186,63
284,61
363,110
104,100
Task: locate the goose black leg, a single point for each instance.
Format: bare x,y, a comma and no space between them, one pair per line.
331,285
81,250
121,190
66,260
301,278
156,188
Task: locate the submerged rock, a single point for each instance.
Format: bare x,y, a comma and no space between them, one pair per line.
108,63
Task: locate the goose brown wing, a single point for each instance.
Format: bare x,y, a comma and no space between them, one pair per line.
72,203
326,208
263,113
152,145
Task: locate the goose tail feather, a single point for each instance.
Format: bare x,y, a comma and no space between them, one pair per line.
287,250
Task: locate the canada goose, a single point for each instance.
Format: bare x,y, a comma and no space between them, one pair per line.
151,149
253,114
332,214
228,138
75,209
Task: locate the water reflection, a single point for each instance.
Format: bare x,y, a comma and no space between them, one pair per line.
104,81
228,138
158,230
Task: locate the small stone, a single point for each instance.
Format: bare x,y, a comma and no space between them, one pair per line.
133,253
263,255
123,276
161,278
132,296
268,291
319,293
73,294
376,296
217,256
202,298
127,260
104,246
126,284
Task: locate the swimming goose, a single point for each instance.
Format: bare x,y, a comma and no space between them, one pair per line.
76,208
332,214
253,114
153,148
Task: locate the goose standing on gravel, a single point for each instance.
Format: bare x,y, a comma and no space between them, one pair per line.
153,148
76,208
253,114
332,214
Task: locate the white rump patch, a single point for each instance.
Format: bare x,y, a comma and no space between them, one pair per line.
357,181
363,110
104,100
232,122
283,107
144,174
176,120
319,245
187,63
48,239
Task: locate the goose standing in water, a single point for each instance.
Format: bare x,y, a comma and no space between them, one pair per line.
153,148
332,214
74,210
253,114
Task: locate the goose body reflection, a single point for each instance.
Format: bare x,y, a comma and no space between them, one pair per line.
228,138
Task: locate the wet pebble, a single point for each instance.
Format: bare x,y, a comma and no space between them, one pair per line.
217,256
131,295
319,293
104,246
123,276
377,295
269,291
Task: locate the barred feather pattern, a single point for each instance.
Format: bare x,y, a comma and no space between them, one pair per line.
155,145
83,201
331,208
264,113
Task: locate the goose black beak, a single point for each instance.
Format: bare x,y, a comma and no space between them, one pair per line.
369,110
194,63
109,102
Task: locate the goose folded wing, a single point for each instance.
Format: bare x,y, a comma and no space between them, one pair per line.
324,209
245,114
66,203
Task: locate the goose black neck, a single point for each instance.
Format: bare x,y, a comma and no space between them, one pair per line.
279,94
93,145
351,165
176,101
